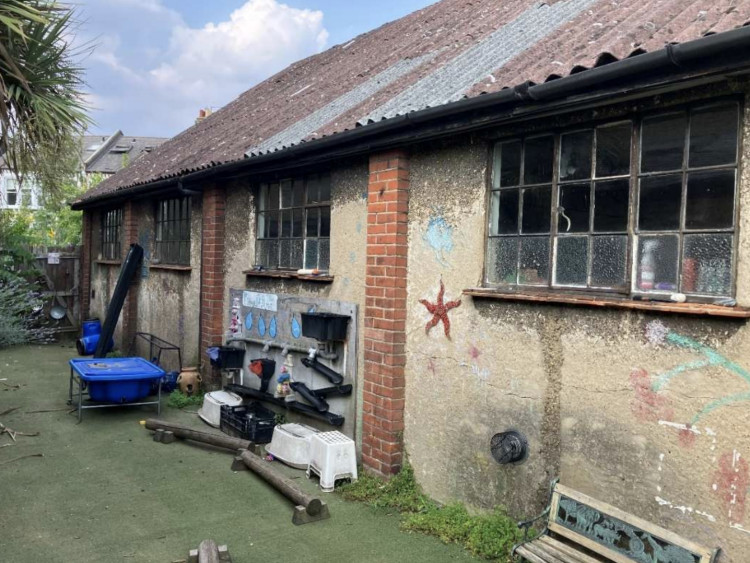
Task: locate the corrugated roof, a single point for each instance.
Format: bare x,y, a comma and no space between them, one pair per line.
447,51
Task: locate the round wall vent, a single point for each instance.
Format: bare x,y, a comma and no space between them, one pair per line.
509,447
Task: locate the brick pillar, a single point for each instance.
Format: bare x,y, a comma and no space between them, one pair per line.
130,307
85,282
385,313
212,274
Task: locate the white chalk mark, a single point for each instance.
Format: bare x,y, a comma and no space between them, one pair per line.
680,426
715,487
685,509
710,432
739,527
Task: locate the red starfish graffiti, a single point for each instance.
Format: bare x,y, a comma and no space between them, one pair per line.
439,311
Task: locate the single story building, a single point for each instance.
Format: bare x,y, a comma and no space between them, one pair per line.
535,216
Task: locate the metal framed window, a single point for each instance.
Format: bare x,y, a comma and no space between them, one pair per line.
294,223
172,244
572,210
11,192
111,226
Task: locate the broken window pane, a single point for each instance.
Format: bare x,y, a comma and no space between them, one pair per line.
611,199
575,155
707,264
713,136
575,204
613,150
536,209
663,142
659,203
534,261
502,260
609,261
710,200
538,160
657,263
504,212
507,164
572,260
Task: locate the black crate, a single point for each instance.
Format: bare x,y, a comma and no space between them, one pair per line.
324,326
252,422
229,358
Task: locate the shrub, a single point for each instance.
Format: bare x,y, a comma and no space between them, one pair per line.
21,317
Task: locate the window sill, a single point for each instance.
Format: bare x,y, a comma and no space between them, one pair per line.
612,302
171,267
109,262
277,274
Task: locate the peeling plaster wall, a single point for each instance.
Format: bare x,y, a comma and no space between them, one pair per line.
645,411
348,248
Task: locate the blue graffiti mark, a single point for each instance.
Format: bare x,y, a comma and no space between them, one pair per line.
272,328
249,321
352,257
261,326
346,282
359,225
311,309
296,328
439,235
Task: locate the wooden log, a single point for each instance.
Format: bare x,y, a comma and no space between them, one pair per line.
187,433
208,552
312,505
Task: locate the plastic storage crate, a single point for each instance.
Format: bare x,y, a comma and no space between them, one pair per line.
229,358
252,422
324,326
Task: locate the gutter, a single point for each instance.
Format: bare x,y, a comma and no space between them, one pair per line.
714,51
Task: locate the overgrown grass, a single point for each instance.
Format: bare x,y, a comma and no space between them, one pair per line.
490,536
178,400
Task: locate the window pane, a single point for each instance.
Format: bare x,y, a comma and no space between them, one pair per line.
325,187
12,198
710,200
286,193
611,205
573,215
613,150
325,221
273,224
311,253
296,258
536,210
273,196
713,136
507,164
659,203
657,263
609,261
286,223
312,222
575,155
572,260
297,215
263,197
298,193
285,253
262,226
313,189
707,264
538,160
504,212
534,261
502,260
663,142
324,250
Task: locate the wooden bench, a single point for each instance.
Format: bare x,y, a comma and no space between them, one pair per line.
581,529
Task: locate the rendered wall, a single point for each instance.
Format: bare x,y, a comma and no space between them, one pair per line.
649,412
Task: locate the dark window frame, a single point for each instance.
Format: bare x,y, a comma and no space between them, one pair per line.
634,235
293,223
172,221
111,234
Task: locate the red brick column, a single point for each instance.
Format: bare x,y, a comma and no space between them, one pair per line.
212,273
130,308
85,282
385,313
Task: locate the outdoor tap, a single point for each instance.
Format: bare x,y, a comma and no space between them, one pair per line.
311,353
267,345
285,349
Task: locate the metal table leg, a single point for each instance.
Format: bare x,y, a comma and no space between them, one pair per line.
80,400
158,398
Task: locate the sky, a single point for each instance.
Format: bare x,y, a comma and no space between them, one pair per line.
152,64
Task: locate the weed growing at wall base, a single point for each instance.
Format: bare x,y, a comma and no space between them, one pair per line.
491,536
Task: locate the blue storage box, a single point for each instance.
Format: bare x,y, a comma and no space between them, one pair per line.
117,380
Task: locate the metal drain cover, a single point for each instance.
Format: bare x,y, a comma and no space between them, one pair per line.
509,447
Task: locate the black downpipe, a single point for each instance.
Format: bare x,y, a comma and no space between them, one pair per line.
340,390
309,395
332,376
129,267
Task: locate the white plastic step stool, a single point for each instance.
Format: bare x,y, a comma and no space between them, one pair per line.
332,456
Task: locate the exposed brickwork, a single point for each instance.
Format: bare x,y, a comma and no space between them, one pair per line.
212,273
86,249
385,312
130,307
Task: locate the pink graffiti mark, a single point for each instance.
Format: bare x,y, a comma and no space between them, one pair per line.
731,481
474,352
439,311
431,365
647,404
687,436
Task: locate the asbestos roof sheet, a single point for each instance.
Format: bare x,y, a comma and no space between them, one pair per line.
445,52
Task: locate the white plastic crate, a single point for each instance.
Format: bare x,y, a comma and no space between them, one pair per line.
291,444
332,456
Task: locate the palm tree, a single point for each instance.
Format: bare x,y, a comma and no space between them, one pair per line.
41,103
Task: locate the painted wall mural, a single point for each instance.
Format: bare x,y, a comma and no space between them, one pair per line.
439,237
439,311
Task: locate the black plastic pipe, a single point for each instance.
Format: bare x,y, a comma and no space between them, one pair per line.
129,267
309,395
331,418
332,376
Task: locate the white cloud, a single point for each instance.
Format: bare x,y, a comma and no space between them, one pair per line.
169,80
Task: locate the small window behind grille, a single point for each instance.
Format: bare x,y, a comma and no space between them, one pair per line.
172,244
111,223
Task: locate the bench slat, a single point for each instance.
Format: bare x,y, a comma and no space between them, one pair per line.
528,555
565,548
549,554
